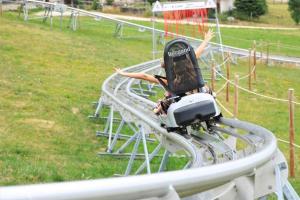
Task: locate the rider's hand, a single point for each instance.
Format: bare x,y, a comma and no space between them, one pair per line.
119,71
209,35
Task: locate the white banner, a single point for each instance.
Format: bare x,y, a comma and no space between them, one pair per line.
158,7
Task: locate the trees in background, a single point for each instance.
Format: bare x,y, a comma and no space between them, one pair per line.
249,9
294,8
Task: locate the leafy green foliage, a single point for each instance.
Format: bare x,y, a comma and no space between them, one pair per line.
151,1
95,5
294,8
249,9
110,2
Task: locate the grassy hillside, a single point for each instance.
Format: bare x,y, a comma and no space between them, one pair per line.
48,78
278,15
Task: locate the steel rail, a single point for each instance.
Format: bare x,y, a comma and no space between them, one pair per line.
233,50
189,147
185,182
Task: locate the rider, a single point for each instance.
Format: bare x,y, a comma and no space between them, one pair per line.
164,104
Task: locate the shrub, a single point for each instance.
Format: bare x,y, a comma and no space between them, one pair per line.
249,9
294,8
109,2
95,5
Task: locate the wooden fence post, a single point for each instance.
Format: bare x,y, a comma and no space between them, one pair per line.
228,76
213,75
0,7
292,132
254,60
236,93
250,71
267,61
261,52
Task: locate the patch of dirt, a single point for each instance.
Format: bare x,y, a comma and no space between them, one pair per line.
20,104
4,82
75,110
41,123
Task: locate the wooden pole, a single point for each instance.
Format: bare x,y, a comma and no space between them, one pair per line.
213,76
228,76
236,95
267,61
0,7
292,133
261,52
250,71
254,60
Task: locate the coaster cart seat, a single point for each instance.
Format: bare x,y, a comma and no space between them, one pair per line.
183,76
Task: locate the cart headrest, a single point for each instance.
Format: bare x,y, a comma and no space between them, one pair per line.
182,70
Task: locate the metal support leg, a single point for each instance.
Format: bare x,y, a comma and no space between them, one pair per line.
110,127
145,150
279,191
116,136
151,156
25,10
164,161
107,123
46,13
51,17
61,18
132,157
119,30
129,141
99,107
171,195
187,165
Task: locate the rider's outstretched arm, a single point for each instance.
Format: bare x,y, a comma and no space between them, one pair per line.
141,76
207,37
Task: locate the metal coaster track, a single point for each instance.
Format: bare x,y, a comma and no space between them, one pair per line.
217,169
220,179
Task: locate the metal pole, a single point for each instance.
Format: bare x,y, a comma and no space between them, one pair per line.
151,156
213,75
292,132
116,136
219,33
61,18
25,10
132,157
153,36
145,150
164,161
110,127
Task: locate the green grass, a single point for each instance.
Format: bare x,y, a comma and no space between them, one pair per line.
280,42
278,15
48,78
